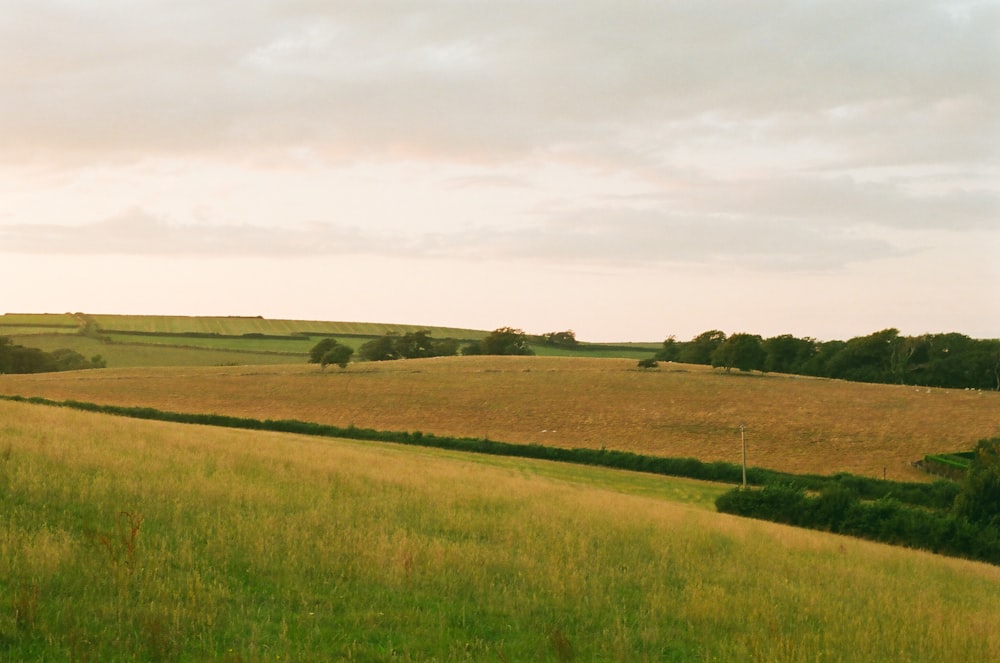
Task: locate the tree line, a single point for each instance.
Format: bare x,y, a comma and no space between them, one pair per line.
949,360
420,345
20,359
967,527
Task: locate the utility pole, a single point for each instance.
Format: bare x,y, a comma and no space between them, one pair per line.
743,439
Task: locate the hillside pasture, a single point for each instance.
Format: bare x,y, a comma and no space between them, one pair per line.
126,540
38,320
133,354
798,425
237,326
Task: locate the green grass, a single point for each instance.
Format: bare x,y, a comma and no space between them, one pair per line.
299,347
123,540
38,319
165,330
597,350
251,325
148,354
28,330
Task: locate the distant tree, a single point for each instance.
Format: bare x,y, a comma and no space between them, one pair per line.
505,341
742,351
415,345
979,501
380,349
869,358
320,349
819,362
699,349
339,355
445,347
787,354
562,339
987,364
20,359
412,345
671,350
473,348
71,360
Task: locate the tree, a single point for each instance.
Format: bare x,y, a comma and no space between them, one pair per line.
671,350
699,350
562,339
787,354
742,351
71,360
19,359
867,358
415,345
472,349
505,341
412,345
818,363
320,349
380,349
339,355
979,501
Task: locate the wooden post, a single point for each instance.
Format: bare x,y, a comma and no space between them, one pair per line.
743,439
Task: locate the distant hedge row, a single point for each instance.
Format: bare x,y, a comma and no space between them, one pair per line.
194,334
840,510
938,495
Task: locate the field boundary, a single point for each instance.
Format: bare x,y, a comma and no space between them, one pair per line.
939,494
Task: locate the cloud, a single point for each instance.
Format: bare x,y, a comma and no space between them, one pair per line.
612,236
774,132
138,232
499,80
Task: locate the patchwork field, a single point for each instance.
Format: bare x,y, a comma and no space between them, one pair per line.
224,325
129,341
798,425
125,540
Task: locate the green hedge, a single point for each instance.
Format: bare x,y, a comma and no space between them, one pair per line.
940,494
887,520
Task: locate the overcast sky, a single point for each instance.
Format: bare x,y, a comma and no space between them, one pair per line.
626,169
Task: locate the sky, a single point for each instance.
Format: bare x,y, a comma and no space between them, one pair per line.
627,169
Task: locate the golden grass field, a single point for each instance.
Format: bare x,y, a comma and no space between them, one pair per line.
126,540
795,424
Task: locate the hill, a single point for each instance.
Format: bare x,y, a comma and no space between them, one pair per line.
148,340
131,540
799,425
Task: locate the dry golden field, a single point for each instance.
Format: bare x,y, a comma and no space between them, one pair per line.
795,424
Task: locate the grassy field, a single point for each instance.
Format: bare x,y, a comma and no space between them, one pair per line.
38,320
147,353
155,340
798,425
124,540
251,325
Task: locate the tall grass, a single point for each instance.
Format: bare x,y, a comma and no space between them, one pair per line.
798,425
127,540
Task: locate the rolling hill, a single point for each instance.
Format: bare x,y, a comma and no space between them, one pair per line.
132,540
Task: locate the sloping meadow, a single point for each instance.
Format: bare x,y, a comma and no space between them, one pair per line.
136,540
798,425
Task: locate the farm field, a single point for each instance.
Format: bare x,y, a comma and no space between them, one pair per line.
250,325
129,341
129,540
799,425
145,353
